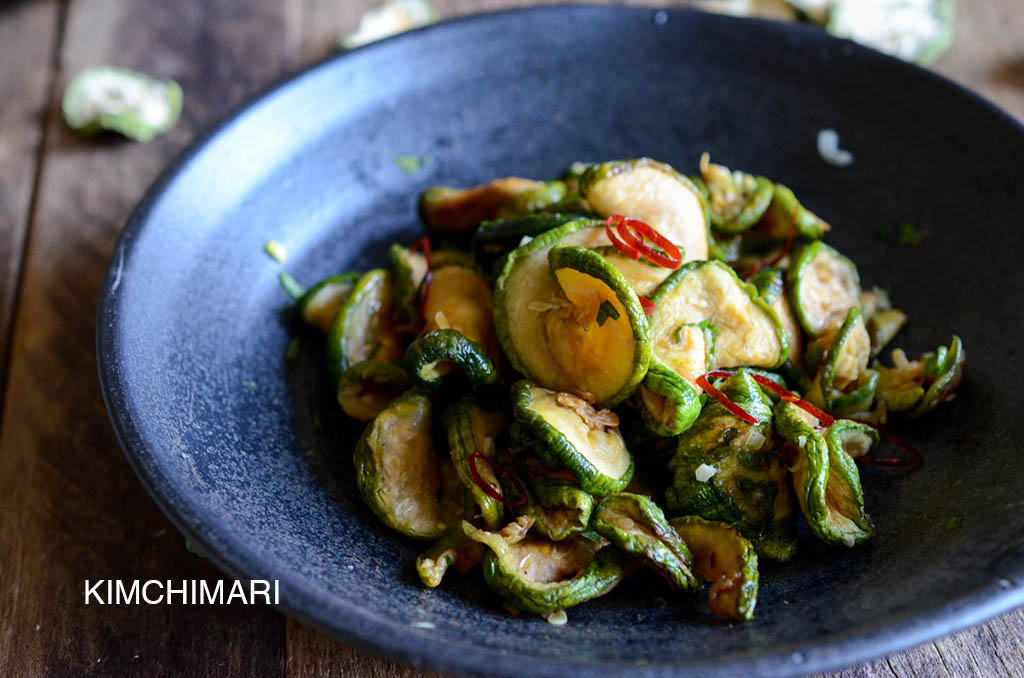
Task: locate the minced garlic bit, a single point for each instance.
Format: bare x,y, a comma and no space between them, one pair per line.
441,320
828,149
704,473
525,239
557,618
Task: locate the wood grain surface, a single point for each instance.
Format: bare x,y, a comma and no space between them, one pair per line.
70,507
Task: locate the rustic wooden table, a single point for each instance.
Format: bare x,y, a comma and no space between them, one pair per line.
70,507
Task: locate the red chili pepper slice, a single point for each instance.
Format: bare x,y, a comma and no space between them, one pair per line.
424,245
502,473
703,382
916,461
627,235
824,418
647,305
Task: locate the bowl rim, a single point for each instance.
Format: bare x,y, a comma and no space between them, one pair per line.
362,629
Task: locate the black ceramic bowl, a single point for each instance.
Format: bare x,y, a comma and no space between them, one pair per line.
250,458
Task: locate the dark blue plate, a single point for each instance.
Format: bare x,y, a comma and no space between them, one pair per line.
251,459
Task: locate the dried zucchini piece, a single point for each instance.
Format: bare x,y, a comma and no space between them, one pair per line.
825,475
559,510
458,331
460,210
472,429
541,576
845,350
723,557
638,526
784,215
738,200
532,201
918,386
565,430
407,270
318,306
367,387
400,476
463,546
364,328
569,320
823,285
654,193
118,100
726,469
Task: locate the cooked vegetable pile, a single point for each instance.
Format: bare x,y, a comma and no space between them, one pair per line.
622,371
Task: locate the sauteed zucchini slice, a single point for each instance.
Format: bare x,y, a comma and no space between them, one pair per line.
321,302
364,327
459,210
407,270
724,558
638,526
654,193
566,430
367,387
558,510
918,386
472,429
726,469
823,285
401,477
532,201
845,350
785,215
737,199
825,475
495,238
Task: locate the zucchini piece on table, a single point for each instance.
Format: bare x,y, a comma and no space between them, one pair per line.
918,386
637,525
825,475
407,270
541,576
784,217
823,285
565,430
364,327
726,469
318,306
472,429
400,475
747,333
569,320
737,199
117,100
723,557
458,330
367,387
654,193
459,210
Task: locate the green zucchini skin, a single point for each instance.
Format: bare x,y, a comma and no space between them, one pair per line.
945,368
552,445
682,402
655,542
598,577
495,238
407,270
757,193
448,346
346,345
321,302
796,279
749,489
468,425
785,212
385,380
445,500
532,201
559,511
824,471
850,342
713,544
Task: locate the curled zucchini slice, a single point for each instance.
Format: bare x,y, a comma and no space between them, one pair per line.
400,476
541,576
495,238
883,326
471,429
367,388
724,558
459,210
785,214
846,352
771,287
559,511
321,302
825,475
407,270
638,526
565,430
726,469
737,199
652,192
918,386
532,201
698,297
458,331
569,320
823,285
364,327
463,547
